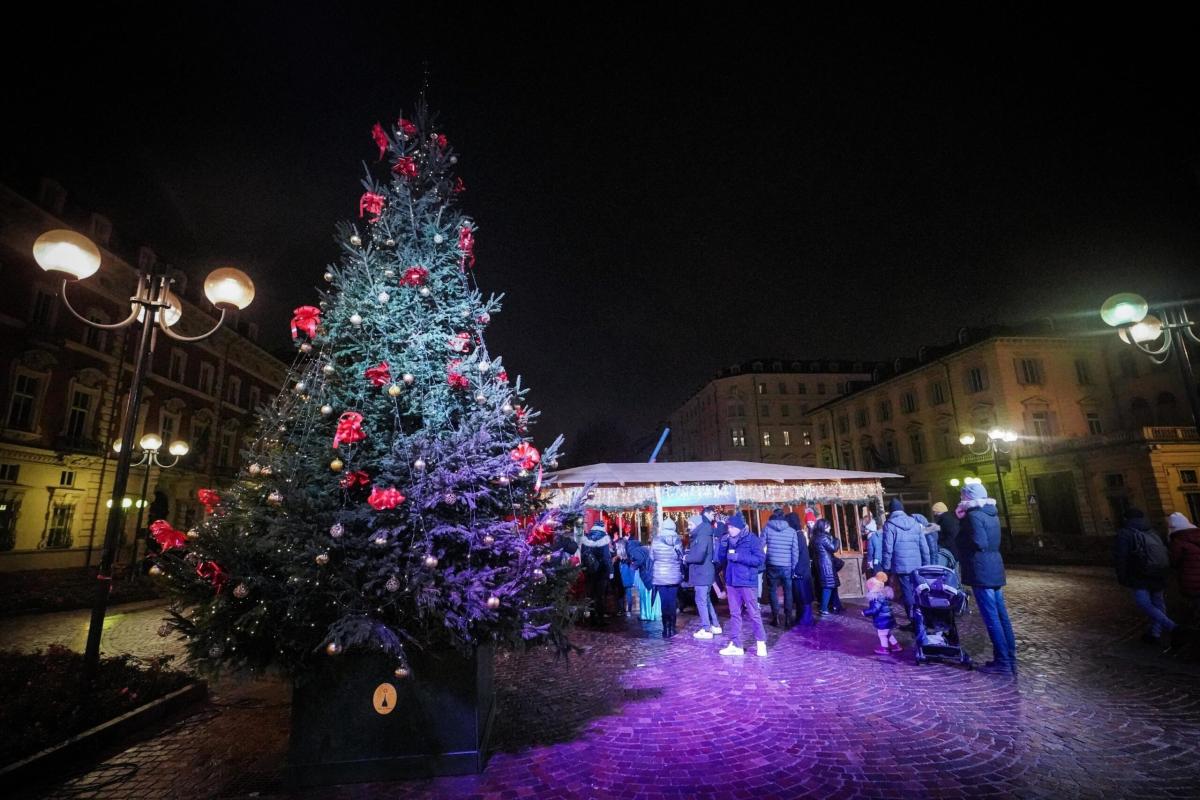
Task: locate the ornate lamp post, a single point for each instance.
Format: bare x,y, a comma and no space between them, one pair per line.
1157,335
73,257
151,444
999,441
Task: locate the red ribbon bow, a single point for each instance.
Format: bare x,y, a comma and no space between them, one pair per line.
406,127
208,498
414,276
526,455
502,376
455,378
466,243
356,478
405,166
381,139
305,318
371,203
459,187
384,498
380,375
211,571
460,342
349,429
167,537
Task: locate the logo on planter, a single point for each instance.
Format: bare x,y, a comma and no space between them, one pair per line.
385,698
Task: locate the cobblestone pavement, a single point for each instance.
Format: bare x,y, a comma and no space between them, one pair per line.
1094,713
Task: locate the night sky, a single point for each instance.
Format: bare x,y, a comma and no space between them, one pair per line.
658,196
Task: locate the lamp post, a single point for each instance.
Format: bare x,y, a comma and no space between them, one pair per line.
151,444
997,438
73,257
1157,335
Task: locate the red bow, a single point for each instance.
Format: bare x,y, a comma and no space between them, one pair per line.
306,318
405,166
211,571
208,498
356,478
406,127
440,140
371,203
381,139
526,455
521,416
457,380
466,243
460,342
384,498
349,429
379,376
502,376
167,537
414,276
459,187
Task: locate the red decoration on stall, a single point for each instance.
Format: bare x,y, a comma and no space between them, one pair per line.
305,319
405,166
371,203
466,243
414,276
406,127
349,429
356,478
380,375
167,537
211,571
526,455
381,139
208,498
381,499
460,342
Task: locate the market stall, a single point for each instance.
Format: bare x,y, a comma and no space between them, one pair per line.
633,496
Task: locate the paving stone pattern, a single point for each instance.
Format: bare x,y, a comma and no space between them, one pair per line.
1094,713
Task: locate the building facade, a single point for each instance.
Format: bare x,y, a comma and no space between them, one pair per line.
63,386
757,411
1100,428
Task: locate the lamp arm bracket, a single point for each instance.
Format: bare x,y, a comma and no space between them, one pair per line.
180,338
105,326
1154,352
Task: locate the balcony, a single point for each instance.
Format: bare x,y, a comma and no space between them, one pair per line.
1149,435
78,444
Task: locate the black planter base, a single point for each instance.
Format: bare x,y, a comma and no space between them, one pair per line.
438,722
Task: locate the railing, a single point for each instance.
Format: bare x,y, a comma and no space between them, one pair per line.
1032,447
78,444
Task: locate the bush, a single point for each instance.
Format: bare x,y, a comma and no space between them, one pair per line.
30,591
44,703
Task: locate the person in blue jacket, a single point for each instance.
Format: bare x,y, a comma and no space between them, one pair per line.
983,570
741,558
905,548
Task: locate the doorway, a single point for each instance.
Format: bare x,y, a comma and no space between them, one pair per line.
1057,505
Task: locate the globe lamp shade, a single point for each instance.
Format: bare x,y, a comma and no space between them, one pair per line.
1124,309
229,288
1149,329
170,314
151,441
179,448
67,254
967,439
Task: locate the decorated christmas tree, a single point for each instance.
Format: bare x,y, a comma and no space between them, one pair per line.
392,497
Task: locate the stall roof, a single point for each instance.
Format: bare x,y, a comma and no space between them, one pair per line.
704,472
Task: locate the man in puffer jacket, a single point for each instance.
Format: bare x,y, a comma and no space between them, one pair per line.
596,559
701,572
666,552
1185,558
1137,556
781,560
741,557
983,570
904,550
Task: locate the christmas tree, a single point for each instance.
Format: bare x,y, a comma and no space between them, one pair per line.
392,498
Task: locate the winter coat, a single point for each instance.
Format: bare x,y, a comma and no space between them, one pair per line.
666,551
904,544
1127,561
880,612
1185,557
875,551
979,545
599,552
700,555
781,544
639,557
823,548
948,537
742,565
803,568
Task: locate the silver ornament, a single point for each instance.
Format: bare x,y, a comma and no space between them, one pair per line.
539,575
328,370
423,291
275,498
408,378
390,242
419,464
502,480
554,464
380,540
438,238
300,387
322,559
240,591
484,366
356,240
306,348
193,533
326,410
401,671
389,273
453,159
266,470
493,602
507,408
481,398
328,277
451,498
392,584
254,469
336,530
488,539
384,297
355,320
431,561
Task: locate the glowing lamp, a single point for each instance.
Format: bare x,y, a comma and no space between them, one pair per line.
151,441
169,315
1147,330
117,446
67,254
229,288
1010,436
178,448
967,439
955,482
996,434
1124,309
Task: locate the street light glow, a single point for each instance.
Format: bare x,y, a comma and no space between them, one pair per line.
66,253
151,441
967,439
1124,309
178,448
1147,330
955,482
229,288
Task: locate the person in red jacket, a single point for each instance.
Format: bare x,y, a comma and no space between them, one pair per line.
1185,558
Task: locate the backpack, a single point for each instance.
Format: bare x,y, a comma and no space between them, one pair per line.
1151,553
591,559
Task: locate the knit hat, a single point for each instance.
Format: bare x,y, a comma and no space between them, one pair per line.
939,508
736,522
809,515
1133,513
1178,522
881,576
974,491
598,525
777,514
667,525
895,505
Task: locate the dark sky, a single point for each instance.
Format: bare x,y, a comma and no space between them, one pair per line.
658,196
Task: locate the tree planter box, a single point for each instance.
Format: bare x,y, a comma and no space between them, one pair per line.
359,722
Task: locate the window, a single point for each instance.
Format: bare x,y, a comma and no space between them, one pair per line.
785,410
841,388
741,410
764,410
42,313
868,456
201,438
255,398
79,416
843,424
941,443
1187,476
889,446
26,389
1029,371
782,387
66,478
1114,480
205,381
820,388
860,418
178,369
59,533
917,441
94,337
885,410
937,393
10,473
761,388
787,438
847,459
168,427
738,435
807,438
975,379
766,438
1083,372
823,430
1093,423
234,393
908,402
225,448
801,388
1041,424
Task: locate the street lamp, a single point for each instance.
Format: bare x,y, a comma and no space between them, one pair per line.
1156,335
151,444
71,256
999,440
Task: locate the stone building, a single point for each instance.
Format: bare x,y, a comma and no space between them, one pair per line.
63,386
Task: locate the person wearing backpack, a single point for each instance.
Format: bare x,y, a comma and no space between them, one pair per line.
1142,562
596,560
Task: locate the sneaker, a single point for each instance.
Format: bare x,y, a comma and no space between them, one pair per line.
895,648
882,651
762,649
995,668
715,629
702,634
732,649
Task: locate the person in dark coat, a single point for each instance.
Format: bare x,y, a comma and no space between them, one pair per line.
596,559
742,557
780,539
1136,544
802,576
1185,558
947,527
701,572
823,547
905,548
983,570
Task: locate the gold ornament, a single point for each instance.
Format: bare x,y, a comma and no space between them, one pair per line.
336,465
394,390
193,533
328,277
275,498
493,602
328,370
401,672
306,348
156,570
254,469
266,470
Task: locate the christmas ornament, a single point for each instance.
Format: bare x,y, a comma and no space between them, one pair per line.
483,366
336,465
193,533
484,318
328,276
322,559
453,159
384,297
355,320
438,238
356,478
333,648
390,243
211,571
266,470
300,388
554,464
215,651
208,498
326,410
502,480
439,139
392,584
394,390
306,319
155,570
381,139
380,375
539,575
526,455
459,186
164,630
493,602
167,537
405,167
306,348
406,127
328,370
372,204
419,464
414,276
507,408
275,498
349,429
379,541
431,561
356,240
481,398
460,342
489,540
451,498
408,378
240,591
466,244
401,672
456,379
424,291
381,499
336,530
502,376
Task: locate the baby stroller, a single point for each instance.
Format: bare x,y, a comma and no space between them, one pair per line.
938,600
